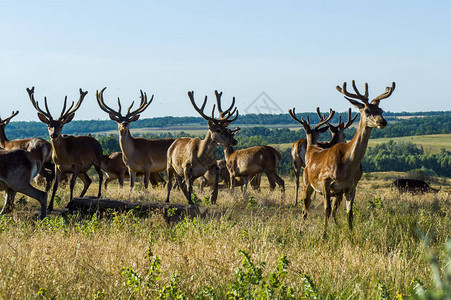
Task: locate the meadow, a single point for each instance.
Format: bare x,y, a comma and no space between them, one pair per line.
244,247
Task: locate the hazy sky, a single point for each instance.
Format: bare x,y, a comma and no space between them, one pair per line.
296,52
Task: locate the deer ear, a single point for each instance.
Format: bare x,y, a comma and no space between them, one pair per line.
356,103
135,118
43,118
112,117
68,118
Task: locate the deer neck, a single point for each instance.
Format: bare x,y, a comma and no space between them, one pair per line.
357,146
228,152
207,148
3,138
126,142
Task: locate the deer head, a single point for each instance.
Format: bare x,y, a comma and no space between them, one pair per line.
123,122
340,128
56,126
313,134
370,113
218,126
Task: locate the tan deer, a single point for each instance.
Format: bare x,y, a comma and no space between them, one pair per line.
17,169
114,167
253,161
336,171
71,154
190,158
41,150
299,147
139,155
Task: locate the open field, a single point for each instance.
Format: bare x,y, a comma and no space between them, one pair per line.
118,256
431,143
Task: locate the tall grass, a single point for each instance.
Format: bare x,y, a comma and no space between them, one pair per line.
249,245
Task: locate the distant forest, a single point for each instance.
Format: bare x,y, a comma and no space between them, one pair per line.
434,123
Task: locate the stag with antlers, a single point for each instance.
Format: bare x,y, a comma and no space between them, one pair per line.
40,149
139,155
190,158
337,170
71,154
299,147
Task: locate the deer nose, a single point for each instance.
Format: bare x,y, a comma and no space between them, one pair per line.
383,123
234,142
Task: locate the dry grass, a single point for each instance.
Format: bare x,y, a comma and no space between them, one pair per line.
84,258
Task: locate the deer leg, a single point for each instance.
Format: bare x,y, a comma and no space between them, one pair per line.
99,172
297,173
55,188
121,179
349,205
306,197
327,204
146,178
246,181
86,182
272,182
255,182
107,181
132,178
214,194
170,175
9,200
27,189
335,204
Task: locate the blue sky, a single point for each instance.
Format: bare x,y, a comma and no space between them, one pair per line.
294,51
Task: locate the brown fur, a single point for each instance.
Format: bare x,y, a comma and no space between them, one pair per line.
17,168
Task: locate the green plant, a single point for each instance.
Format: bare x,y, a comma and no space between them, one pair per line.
251,202
442,289
252,284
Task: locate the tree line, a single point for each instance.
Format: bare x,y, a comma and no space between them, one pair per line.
434,123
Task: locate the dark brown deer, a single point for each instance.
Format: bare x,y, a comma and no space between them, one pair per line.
139,155
414,186
41,150
336,171
114,167
71,154
299,147
17,169
190,158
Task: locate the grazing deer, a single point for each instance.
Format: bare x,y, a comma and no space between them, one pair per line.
209,178
252,161
17,169
414,186
139,155
190,158
336,171
299,147
41,150
114,167
71,154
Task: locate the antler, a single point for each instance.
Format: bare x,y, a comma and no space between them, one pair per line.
70,110
227,111
323,118
350,121
357,95
36,104
116,115
6,121
224,116
305,124
388,92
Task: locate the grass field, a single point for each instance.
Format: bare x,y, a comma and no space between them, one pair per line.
248,247
431,143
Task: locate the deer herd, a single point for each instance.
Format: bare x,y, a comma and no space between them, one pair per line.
332,168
